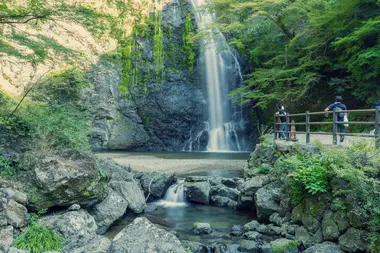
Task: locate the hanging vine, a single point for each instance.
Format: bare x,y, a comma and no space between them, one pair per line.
188,45
138,71
158,47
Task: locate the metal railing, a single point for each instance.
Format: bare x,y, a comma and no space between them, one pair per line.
334,123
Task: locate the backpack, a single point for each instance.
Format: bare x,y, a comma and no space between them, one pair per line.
340,114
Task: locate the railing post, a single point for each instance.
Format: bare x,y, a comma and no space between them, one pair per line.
377,127
335,127
275,128
307,127
287,126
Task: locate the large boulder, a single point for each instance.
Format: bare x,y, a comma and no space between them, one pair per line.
202,228
303,236
12,209
16,195
132,193
310,213
16,214
6,238
249,246
217,200
58,181
249,188
268,200
326,247
251,226
195,247
115,171
198,192
354,240
99,244
141,236
109,210
330,229
155,184
341,219
263,154
283,245
77,228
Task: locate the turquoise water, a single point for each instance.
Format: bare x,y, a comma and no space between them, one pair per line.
181,219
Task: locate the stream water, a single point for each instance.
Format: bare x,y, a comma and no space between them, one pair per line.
180,219
176,215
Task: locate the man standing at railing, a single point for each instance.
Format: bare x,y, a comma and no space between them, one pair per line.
340,117
283,115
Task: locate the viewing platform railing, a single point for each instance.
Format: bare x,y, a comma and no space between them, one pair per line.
334,123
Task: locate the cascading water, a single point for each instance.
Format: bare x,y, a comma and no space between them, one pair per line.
222,74
175,195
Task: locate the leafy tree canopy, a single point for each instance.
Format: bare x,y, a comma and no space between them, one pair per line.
305,50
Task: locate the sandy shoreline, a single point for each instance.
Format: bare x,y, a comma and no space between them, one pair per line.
145,163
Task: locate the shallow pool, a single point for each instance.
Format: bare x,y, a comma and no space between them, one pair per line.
181,219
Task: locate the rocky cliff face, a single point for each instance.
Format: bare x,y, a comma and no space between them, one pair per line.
161,120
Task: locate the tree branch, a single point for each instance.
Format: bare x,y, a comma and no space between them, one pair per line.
12,19
27,92
147,197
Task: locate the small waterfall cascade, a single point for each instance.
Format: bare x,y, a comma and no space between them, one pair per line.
174,196
222,73
175,193
195,141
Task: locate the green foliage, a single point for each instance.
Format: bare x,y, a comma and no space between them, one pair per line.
312,174
188,43
62,87
306,173
264,169
137,69
56,126
102,175
8,167
158,45
288,246
37,239
357,164
303,49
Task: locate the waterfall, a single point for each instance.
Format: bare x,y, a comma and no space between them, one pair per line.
175,195
194,141
222,74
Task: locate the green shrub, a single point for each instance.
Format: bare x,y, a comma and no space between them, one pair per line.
264,169
312,174
61,88
8,167
306,173
48,126
102,175
56,126
37,239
